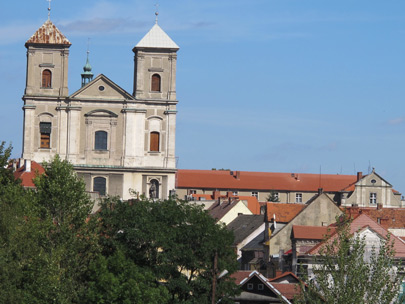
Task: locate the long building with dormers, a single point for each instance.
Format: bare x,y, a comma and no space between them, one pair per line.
116,141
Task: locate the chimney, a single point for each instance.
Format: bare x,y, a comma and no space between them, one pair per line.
20,163
216,194
14,165
320,190
228,194
27,165
359,175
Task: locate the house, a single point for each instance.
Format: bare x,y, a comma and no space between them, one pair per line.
290,187
362,226
116,141
319,211
246,228
371,191
26,171
225,211
257,289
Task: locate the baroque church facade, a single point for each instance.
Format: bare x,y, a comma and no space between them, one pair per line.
115,140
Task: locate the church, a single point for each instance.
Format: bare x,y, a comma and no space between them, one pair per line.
120,143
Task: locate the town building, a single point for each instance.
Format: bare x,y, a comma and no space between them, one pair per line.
345,190
115,140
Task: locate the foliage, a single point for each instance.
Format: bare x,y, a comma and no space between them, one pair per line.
53,251
174,240
348,271
273,197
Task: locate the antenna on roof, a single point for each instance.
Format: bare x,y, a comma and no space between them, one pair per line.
49,9
320,176
157,12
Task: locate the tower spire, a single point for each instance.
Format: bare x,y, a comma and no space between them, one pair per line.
49,9
87,75
157,12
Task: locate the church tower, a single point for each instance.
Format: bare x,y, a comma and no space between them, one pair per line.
45,90
116,141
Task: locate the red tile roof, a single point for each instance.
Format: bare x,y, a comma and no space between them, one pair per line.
217,179
389,217
311,232
48,33
240,275
284,212
284,276
363,221
27,177
253,203
289,290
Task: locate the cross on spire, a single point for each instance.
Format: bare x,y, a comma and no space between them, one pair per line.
49,9
157,12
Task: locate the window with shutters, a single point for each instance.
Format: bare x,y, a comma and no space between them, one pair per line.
45,130
155,87
46,79
99,185
154,142
100,140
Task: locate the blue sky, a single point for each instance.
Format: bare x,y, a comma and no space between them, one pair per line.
263,85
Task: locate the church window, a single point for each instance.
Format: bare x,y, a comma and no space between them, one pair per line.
373,198
298,197
100,140
155,87
154,141
46,79
45,130
99,185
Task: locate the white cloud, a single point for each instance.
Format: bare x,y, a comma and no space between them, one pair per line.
396,121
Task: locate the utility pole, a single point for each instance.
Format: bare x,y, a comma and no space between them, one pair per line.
214,278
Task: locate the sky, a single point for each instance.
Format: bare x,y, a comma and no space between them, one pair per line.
300,86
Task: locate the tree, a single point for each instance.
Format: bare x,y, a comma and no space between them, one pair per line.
273,197
346,271
175,241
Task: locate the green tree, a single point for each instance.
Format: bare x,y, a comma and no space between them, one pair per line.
347,272
273,197
174,240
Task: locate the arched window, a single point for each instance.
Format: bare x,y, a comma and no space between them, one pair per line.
154,189
155,87
154,141
100,140
46,79
99,185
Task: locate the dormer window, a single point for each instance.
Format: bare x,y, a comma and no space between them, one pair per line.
155,85
46,79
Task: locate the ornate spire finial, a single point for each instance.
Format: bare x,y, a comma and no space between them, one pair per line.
49,9
157,12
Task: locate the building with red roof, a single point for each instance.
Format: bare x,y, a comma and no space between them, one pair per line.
26,171
290,187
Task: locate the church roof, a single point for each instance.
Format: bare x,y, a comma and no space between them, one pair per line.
157,38
48,33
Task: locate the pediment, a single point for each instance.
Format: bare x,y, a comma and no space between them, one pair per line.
102,89
374,180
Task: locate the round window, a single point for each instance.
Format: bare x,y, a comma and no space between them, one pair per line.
101,88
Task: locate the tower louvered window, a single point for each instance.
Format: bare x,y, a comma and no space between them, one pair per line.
45,130
46,79
155,87
99,185
154,141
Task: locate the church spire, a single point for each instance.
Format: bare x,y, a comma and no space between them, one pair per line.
87,75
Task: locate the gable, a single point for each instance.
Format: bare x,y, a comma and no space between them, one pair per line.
320,211
102,89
